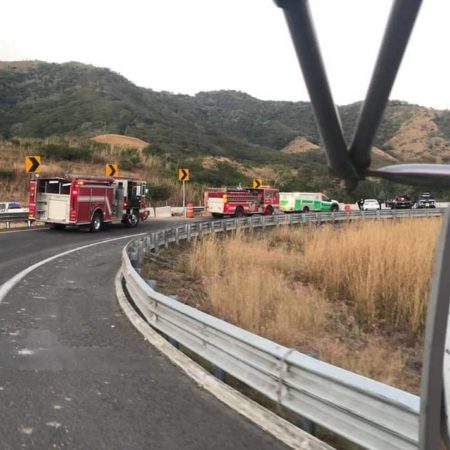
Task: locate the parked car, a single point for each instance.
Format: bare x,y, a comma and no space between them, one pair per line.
426,200
370,204
11,208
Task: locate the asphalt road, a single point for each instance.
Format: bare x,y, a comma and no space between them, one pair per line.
75,374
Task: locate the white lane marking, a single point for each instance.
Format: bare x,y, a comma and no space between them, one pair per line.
26,352
8,285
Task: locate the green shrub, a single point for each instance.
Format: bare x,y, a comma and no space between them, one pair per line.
158,193
129,159
7,174
63,152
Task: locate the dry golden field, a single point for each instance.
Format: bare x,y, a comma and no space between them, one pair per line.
354,295
121,141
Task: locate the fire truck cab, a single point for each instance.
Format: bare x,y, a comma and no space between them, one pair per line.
87,201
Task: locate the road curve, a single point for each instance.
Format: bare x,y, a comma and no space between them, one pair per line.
75,374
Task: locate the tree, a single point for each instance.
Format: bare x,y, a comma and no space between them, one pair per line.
157,193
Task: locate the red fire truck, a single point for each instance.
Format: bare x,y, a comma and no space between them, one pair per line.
87,201
242,201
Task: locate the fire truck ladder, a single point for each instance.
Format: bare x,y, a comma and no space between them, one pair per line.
352,163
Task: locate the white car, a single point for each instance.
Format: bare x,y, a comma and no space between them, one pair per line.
370,204
12,208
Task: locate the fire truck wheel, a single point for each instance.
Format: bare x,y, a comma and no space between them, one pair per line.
239,212
133,219
269,211
96,223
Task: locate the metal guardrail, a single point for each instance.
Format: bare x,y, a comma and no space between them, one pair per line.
8,218
368,413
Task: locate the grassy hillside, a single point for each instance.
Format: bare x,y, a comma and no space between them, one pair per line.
224,137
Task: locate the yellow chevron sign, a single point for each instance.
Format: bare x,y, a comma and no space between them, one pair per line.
257,182
32,164
183,174
112,170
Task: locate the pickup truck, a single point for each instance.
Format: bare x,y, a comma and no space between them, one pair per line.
400,202
426,200
12,208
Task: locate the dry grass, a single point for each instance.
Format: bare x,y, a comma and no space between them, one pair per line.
14,180
382,268
243,286
355,295
120,140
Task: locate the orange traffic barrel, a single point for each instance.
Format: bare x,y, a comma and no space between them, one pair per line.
190,210
347,207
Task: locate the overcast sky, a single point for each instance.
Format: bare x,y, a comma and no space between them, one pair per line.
187,46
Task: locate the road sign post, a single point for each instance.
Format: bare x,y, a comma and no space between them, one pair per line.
184,198
183,176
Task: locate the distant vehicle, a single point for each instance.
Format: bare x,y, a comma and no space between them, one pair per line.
400,202
370,204
241,202
90,201
11,208
306,202
426,200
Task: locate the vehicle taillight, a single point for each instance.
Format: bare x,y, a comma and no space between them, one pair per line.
32,200
73,204
125,203
225,198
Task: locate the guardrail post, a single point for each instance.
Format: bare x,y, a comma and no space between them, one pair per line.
218,373
140,253
8,225
174,342
188,232
155,242
151,241
306,425
177,236
166,239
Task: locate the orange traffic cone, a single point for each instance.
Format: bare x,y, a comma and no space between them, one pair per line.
190,210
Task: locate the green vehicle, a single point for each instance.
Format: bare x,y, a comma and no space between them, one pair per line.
306,202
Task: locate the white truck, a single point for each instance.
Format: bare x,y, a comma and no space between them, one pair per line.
12,208
306,202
